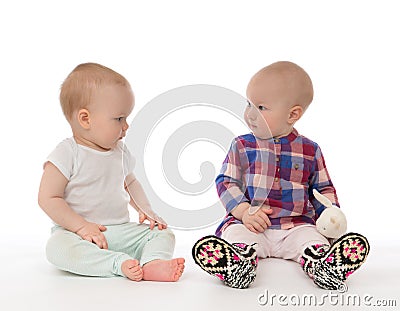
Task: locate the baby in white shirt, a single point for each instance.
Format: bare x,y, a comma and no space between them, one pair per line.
88,182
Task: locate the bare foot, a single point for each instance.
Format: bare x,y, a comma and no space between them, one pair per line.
132,269
164,270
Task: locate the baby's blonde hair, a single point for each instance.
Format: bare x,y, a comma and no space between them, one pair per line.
78,87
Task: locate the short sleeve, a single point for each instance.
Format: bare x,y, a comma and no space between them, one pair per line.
128,161
63,158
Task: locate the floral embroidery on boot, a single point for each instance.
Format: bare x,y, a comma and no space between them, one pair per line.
234,264
345,256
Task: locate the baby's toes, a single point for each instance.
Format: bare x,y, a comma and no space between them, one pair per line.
180,261
138,277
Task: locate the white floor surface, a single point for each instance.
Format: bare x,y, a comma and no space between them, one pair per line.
29,282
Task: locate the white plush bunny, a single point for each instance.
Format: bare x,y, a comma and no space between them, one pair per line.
332,222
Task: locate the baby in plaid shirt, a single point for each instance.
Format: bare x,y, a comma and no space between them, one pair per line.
266,185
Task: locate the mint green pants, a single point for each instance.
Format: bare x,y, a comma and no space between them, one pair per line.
69,252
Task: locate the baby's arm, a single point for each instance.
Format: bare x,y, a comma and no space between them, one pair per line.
230,188
50,198
140,202
321,181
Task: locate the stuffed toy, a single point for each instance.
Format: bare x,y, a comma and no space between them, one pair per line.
332,222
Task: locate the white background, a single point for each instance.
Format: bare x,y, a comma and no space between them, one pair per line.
349,48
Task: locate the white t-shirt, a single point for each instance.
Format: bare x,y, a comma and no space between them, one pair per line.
95,188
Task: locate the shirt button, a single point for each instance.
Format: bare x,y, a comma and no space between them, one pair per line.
276,179
277,140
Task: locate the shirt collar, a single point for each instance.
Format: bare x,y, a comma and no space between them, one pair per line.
288,138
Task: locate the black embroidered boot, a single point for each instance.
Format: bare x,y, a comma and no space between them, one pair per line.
330,268
234,264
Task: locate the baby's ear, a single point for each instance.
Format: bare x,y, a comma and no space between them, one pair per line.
295,114
84,118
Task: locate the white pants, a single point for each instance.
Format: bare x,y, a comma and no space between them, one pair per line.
69,252
286,244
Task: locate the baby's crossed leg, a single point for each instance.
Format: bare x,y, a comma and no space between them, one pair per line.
153,248
155,252
130,246
69,252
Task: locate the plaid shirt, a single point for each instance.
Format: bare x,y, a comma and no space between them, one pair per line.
278,172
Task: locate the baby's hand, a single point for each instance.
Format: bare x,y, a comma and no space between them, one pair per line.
93,233
259,221
154,219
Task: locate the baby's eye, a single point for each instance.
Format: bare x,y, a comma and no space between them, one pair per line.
248,104
261,108
119,119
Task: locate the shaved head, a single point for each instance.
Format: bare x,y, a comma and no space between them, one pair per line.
289,80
